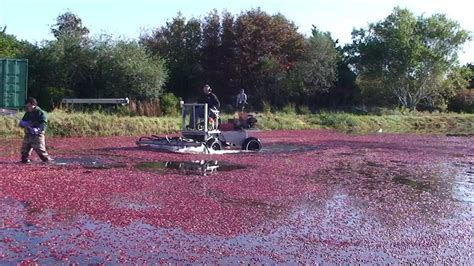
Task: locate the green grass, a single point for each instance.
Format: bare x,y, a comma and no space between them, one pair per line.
446,123
96,124
64,124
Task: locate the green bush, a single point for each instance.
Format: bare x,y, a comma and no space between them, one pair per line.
125,69
169,104
56,95
304,110
267,107
338,120
463,102
289,109
281,121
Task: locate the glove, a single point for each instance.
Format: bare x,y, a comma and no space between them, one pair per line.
34,130
24,123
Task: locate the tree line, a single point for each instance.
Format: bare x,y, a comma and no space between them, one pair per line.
404,61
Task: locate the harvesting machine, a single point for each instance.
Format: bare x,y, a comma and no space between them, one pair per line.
202,132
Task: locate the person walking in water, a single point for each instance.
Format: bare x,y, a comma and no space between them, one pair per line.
34,123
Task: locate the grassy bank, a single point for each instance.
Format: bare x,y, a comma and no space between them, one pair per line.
99,124
64,124
450,123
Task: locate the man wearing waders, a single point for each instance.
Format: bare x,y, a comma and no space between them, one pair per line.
34,124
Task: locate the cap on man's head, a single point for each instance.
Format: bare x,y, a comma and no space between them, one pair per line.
31,101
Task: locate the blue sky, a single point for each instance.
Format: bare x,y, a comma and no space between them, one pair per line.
31,19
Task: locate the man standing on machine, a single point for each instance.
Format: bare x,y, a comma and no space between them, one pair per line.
210,98
213,105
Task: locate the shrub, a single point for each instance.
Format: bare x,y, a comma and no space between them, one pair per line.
125,69
267,107
338,120
463,102
169,104
55,95
304,110
289,109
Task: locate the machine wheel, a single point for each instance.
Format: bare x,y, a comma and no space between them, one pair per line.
252,144
214,144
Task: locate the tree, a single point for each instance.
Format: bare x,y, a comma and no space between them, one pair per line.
211,50
459,86
42,73
455,85
471,78
317,70
75,65
10,47
72,56
125,69
69,26
404,59
179,43
457,79
230,82
265,46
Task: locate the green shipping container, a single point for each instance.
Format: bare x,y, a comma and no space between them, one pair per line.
13,82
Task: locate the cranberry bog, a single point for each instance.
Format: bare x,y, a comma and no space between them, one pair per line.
308,197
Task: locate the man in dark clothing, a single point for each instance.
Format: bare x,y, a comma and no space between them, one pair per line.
34,123
213,105
210,98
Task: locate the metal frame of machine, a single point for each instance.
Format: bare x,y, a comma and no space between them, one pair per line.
200,133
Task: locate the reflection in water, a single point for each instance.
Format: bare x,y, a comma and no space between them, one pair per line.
89,162
416,210
85,239
463,183
340,226
198,167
